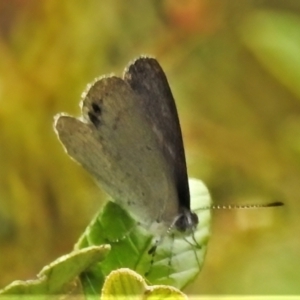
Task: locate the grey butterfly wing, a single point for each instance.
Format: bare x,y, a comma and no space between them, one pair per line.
115,143
147,79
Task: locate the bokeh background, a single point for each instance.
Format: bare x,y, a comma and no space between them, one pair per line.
234,68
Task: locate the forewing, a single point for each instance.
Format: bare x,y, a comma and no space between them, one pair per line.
147,79
116,144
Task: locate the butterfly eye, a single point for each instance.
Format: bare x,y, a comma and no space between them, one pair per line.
186,222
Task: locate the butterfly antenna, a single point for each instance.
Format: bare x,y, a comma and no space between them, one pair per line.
242,206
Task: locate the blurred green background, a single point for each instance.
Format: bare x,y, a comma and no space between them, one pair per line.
234,69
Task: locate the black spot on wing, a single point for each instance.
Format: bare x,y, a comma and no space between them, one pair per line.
96,108
94,119
95,113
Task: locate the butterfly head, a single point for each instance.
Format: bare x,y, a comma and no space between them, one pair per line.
185,223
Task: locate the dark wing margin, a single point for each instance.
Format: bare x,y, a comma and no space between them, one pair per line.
148,80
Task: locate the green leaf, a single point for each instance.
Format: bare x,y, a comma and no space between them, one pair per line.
57,275
273,37
126,284
176,262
